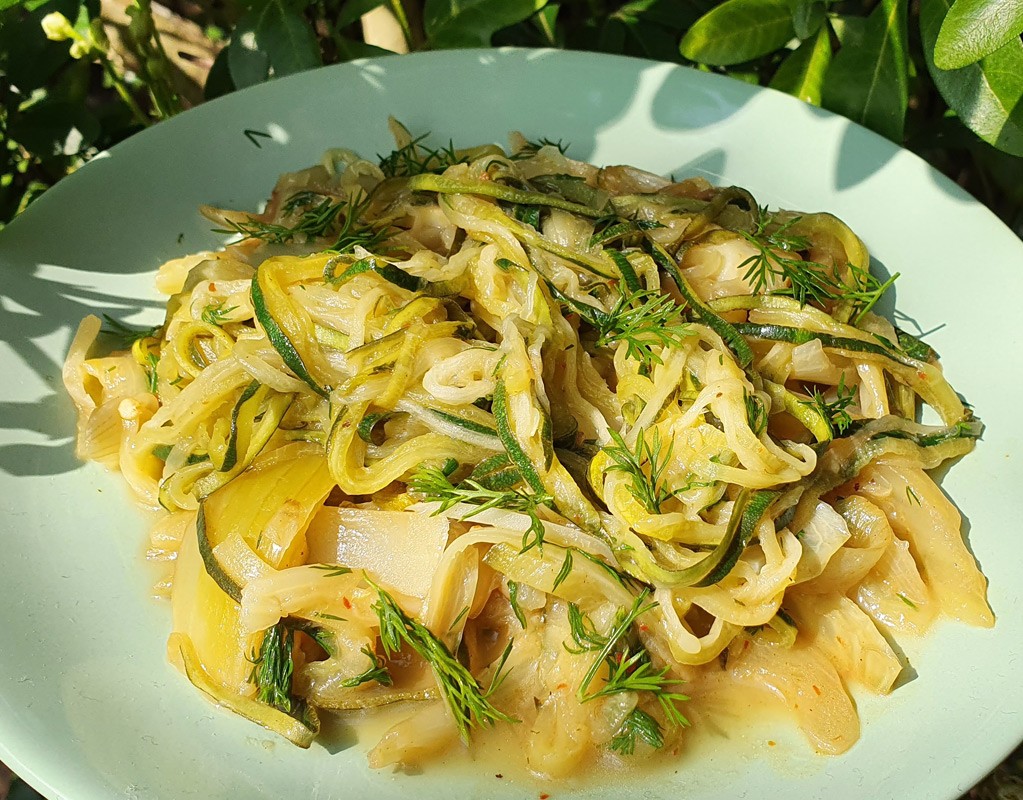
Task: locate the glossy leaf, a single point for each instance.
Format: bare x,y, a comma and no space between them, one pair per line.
737,31
547,24
987,95
271,39
802,73
976,28
351,49
472,23
808,18
868,81
55,128
353,10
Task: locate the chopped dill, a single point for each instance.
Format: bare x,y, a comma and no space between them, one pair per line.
126,335
638,724
645,466
566,570
415,159
467,701
642,321
809,281
216,313
433,484
377,671
834,411
272,668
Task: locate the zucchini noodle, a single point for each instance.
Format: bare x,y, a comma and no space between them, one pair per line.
519,444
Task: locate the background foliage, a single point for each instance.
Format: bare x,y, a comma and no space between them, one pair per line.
943,78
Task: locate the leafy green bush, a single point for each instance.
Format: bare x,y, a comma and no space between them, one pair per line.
943,78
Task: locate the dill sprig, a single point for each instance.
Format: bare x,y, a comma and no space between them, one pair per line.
126,335
354,233
315,222
643,321
834,411
645,466
585,635
513,601
433,483
565,571
531,147
638,724
756,412
629,666
332,570
467,701
377,671
809,281
416,159
216,313
152,378
272,668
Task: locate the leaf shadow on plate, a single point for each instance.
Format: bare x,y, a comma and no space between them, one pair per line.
33,311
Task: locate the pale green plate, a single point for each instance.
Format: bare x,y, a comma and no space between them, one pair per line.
90,709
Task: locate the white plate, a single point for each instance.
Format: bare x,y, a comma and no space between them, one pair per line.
90,709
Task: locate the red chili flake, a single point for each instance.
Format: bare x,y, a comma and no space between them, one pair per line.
818,691
922,376
561,686
213,287
644,628
544,796
347,602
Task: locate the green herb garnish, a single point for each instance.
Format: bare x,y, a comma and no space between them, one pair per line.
377,671
433,484
642,321
645,466
638,724
467,701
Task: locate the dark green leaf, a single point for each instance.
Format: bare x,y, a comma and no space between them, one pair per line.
635,36
976,28
271,39
55,128
351,49
218,80
988,95
808,17
352,10
677,15
802,73
547,24
247,64
868,80
471,23
737,31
